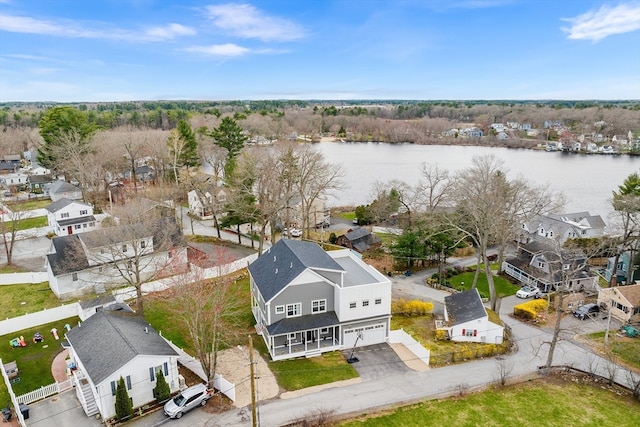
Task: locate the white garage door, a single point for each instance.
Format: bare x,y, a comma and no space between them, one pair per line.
372,334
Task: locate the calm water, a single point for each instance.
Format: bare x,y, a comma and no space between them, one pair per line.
587,181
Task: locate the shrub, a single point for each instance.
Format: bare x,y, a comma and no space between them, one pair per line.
442,334
124,407
333,238
530,309
411,308
161,391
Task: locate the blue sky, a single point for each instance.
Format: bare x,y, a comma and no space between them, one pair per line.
121,50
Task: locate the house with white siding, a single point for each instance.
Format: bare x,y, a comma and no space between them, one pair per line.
307,301
67,216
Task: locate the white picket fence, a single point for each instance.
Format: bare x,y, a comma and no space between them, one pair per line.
44,391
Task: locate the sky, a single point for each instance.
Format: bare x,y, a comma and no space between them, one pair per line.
127,50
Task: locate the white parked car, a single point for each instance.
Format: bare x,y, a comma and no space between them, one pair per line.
528,292
295,232
186,400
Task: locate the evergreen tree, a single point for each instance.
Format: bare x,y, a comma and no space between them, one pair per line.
161,391
229,135
189,155
124,407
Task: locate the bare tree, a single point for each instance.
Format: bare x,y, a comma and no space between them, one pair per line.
316,178
487,204
146,244
9,226
436,188
211,311
503,370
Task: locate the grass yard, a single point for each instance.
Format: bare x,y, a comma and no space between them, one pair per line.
301,373
28,223
34,360
29,205
541,403
35,298
465,280
627,349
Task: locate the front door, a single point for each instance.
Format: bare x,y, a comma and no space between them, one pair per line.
69,230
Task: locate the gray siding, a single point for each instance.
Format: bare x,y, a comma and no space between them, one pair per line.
303,294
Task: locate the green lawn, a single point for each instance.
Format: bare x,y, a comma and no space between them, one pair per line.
465,280
34,360
29,205
535,403
627,349
28,223
301,373
22,299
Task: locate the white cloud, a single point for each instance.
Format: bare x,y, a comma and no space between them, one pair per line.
169,32
73,29
244,20
228,49
604,22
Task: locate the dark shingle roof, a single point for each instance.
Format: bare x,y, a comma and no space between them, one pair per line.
63,203
61,186
108,340
284,261
310,321
464,307
80,220
68,256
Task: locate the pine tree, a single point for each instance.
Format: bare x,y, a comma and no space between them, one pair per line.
124,407
161,390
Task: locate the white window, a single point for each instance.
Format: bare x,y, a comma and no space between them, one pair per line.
378,301
64,215
74,276
294,310
365,303
279,309
78,226
143,244
319,306
352,305
124,248
84,212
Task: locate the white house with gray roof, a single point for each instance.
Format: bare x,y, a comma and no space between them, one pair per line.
116,343
467,320
67,216
307,301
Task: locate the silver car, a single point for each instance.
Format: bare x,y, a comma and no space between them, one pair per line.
186,400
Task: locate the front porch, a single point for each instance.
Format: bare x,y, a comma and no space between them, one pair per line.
526,279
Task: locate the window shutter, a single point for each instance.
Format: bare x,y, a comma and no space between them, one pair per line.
128,382
113,388
166,368
463,331
151,374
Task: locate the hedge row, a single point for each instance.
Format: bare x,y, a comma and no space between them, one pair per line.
530,309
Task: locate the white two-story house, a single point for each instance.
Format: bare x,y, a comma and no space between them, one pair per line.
114,256
307,301
67,216
560,228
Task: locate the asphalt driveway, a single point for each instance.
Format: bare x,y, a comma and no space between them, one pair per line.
60,410
376,361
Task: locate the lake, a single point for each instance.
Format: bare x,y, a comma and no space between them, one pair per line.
587,181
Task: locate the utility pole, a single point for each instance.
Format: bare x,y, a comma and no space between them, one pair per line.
254,418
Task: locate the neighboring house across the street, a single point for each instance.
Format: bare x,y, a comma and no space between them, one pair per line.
622,269
116,343
307,301
467,320
14,180
67,216
541,265
560,228
39,184
61,189
204,205
96,260
623,302
9,163
359,239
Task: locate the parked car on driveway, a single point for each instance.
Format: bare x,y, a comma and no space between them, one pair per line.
186,400
528,292
586,311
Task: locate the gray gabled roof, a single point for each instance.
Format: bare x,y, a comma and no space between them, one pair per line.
464,307
61,186
285,261
62,203
108,340
68,256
